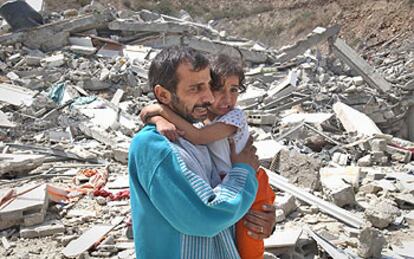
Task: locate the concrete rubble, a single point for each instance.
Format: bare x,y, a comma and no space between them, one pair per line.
335,131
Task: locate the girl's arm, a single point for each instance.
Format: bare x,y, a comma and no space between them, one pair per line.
168,122
205,135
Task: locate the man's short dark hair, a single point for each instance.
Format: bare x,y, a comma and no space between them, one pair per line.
163,69
224,66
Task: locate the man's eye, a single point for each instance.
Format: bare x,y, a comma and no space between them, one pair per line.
195,89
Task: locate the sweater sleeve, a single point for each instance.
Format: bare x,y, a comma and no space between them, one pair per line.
191,206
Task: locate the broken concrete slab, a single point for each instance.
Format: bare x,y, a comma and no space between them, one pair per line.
210,46
152,26
17,164
283,238
15,95
355,121
27,209
45,229
86,240
267,149
5,122
349,174
311,118
55,35
346,53
317,36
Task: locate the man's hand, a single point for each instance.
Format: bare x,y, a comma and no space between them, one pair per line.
260,223
247,155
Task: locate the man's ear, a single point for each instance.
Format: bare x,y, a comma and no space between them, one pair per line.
162,94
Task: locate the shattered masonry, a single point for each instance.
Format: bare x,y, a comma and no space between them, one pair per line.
334,129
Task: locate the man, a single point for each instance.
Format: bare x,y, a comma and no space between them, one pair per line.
180,208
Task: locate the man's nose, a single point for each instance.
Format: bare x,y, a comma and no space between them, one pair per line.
208,96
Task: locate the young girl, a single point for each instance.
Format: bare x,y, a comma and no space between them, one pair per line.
225,122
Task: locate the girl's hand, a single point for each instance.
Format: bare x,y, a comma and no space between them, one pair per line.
167,129
150,111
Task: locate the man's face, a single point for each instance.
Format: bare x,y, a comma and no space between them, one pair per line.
193,94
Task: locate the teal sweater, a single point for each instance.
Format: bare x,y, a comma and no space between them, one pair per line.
175,213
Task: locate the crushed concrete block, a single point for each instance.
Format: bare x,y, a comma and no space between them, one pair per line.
340,159
371,188
26,209
54,61
261,119
378,144
365,161
300,169
33,60
46,229
358,80
382,213
120,154
83,50
94,84
286,202
338,191
5,123
280,215
371,242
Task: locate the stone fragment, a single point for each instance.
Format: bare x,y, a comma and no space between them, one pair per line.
286,202
365,161
54,61
371,242
300,169
42,230
382,213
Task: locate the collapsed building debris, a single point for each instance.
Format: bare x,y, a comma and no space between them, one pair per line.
335,130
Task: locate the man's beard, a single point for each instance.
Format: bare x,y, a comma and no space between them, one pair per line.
175,106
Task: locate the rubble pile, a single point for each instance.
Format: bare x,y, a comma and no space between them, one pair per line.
333,128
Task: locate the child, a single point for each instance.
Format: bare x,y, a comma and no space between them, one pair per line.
224,121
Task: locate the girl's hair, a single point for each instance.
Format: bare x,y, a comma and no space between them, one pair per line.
224,66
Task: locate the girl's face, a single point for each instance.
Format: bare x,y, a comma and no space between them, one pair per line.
225,98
